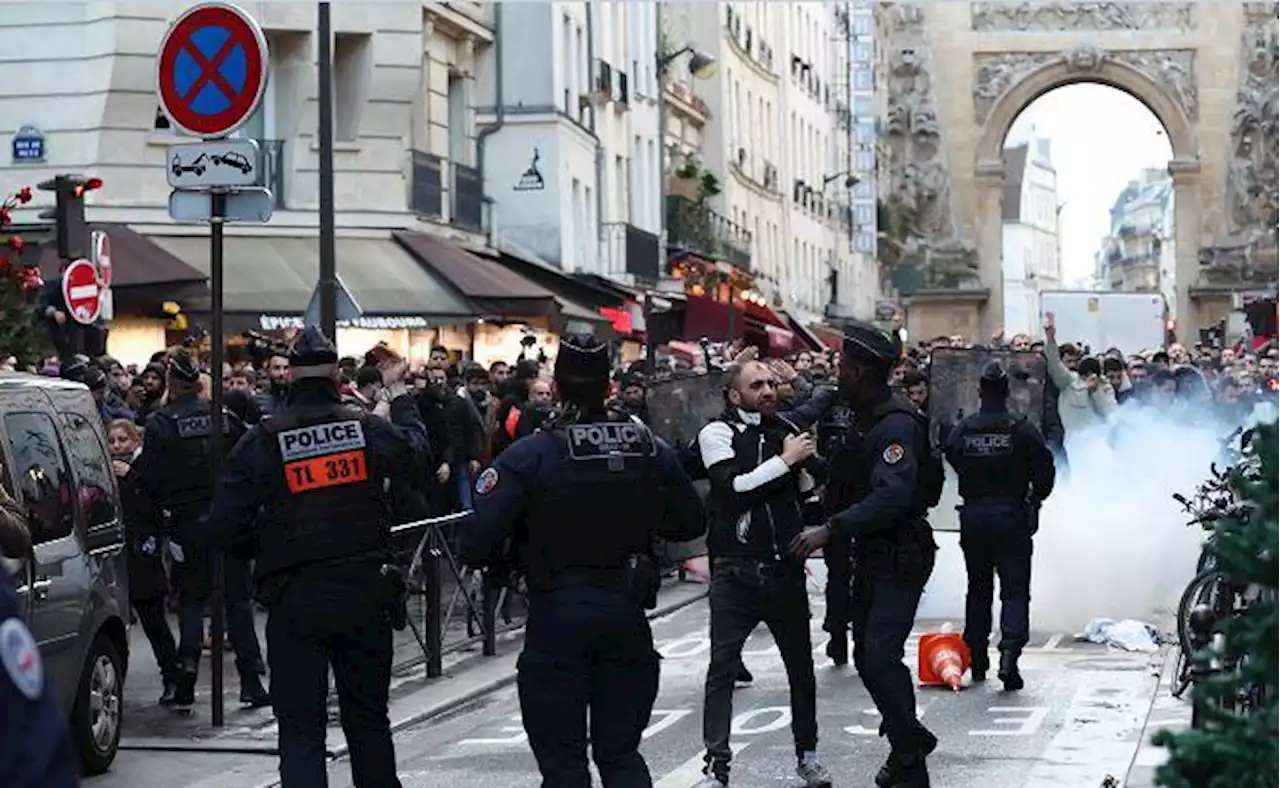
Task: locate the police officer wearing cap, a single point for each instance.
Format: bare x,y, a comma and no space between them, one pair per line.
584,499
36,747
1006,470
895,478
173,472
331,481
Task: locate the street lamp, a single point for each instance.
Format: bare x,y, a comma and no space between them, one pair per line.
701,66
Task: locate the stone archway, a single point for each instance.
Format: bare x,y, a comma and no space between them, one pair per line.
1086,64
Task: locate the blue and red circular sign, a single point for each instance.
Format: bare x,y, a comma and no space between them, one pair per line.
212,70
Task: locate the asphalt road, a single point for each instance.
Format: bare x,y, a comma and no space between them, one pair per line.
1079,720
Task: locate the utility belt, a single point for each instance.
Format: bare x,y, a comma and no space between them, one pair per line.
763,572
905,552
638,578
389,583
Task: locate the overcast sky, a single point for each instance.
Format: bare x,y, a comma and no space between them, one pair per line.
1101,139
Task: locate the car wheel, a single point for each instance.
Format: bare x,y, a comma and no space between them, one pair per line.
99,709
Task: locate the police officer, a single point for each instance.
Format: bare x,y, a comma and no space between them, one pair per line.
1006,470
36,747
584,500
833,430
174,475
895,480
332,481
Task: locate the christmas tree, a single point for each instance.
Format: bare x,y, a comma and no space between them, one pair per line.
20,335
1237,748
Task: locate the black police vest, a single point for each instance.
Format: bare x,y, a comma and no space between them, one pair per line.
930,471
984,449
600,502
329,502
834,433
190,486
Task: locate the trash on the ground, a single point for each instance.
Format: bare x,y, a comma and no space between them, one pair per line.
1129,634
1110,782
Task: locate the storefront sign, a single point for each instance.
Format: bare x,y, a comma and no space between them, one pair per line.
28,145
620,318
389,323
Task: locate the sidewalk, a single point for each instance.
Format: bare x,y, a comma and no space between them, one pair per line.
1167,713
169,748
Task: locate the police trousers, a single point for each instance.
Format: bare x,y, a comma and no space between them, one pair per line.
315,624
588,664
194,576
839,587
887,584
995,537
744,593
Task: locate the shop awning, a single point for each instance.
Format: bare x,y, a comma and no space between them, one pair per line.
143,274
832,337
270,276
802,331
493,291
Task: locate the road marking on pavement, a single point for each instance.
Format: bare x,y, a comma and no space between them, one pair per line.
668,717
860,730
745,724
690,771
503,741
1025,726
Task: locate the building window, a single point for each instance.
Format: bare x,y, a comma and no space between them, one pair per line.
457,119
352,64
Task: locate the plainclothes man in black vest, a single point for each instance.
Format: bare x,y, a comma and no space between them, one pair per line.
177,452
761,466
331,480
833,430
583,500
896,478
1006,470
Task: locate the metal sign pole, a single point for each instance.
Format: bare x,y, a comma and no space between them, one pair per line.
217,210
328,284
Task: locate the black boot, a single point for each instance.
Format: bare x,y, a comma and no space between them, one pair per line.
890,774
1008,672
252,693
185,693
838,648
981,664
169,693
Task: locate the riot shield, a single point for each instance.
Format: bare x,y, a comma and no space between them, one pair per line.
953,382
680,407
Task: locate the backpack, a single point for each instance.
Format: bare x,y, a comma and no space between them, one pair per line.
931,474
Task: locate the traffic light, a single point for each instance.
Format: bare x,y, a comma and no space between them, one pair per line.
68,213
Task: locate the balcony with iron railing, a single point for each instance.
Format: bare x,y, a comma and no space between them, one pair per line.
696,228
627,249
437,183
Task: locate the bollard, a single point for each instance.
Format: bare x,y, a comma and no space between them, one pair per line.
432,623
489,605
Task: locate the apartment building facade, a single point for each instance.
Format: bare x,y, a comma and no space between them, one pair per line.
405,156
1032,256
1138,254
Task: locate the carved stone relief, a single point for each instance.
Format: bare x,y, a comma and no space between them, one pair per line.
919,182
1172,69
1253,173
1056,16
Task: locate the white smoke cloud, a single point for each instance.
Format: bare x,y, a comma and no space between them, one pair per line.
1113,542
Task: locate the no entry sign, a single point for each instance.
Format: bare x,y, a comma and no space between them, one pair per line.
212,70
81,291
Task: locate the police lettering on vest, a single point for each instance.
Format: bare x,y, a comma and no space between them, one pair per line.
988,444
608,440
323,455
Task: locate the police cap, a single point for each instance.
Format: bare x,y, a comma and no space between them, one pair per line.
184,366
994,372
867,344
74,368
311,349
582,357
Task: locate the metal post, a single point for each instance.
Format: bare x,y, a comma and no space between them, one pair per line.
217,210
650,346
433,622
328,284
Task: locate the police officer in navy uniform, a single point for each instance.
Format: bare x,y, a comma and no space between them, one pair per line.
583,500
173,472
833,430
896,478
1006,470
331,481
36,748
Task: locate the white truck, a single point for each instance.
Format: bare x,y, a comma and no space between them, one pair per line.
1132,322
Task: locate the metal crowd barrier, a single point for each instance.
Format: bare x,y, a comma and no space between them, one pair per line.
450,609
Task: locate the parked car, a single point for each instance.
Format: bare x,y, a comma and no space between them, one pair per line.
74,585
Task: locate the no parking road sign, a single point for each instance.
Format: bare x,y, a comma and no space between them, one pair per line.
212,70
82,291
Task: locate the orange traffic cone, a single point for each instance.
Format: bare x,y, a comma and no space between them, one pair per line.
943,660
